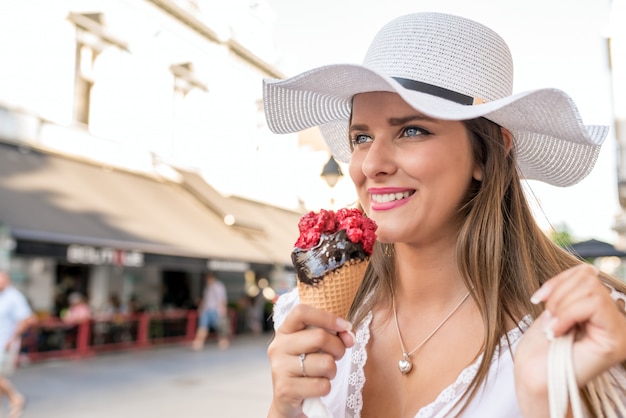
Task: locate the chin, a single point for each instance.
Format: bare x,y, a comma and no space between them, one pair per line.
385,238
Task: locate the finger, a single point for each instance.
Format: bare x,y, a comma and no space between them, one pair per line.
537,338
303,316
572,314
562,283
347,337
308,340
302,376
316,365
294,390
313,340
578,287
594,310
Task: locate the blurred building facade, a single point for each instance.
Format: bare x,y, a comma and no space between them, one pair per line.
114,114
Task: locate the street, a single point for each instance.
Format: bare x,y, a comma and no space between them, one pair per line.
168,382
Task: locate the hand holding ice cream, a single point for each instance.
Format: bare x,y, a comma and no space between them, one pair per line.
330,256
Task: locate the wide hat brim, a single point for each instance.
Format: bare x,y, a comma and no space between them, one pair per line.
551,143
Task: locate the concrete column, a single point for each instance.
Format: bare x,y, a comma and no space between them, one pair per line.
98,287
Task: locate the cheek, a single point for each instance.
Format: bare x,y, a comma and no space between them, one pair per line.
450,173
358,179
355,171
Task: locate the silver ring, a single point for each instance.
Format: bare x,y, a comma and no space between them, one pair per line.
301,357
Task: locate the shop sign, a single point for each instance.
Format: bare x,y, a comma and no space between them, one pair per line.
226,265
85,254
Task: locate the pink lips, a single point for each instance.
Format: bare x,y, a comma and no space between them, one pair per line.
402,196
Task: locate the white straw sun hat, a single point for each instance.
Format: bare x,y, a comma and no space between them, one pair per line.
446,67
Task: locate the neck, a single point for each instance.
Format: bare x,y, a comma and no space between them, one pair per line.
430,276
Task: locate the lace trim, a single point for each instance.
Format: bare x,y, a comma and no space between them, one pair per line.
356,381
354,404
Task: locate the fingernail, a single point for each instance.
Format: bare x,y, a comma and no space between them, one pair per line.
345,325
538,296
549,324
352,335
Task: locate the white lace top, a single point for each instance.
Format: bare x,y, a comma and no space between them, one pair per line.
495,398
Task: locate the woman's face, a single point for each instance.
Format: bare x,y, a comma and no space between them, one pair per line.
411,172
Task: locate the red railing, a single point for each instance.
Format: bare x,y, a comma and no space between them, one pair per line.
52,338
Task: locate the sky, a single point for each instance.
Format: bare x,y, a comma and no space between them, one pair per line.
555,44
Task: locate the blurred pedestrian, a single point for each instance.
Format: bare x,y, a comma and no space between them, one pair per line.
213,313
256,313
78,311
133,306
16,317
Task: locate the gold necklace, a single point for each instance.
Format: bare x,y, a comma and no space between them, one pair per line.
405,364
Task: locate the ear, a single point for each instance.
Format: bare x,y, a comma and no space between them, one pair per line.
507,138
477,173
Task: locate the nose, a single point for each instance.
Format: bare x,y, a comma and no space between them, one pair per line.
379,160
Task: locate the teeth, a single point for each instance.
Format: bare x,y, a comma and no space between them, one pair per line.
389,197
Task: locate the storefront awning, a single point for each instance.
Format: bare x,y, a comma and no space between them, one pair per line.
271,228
52,198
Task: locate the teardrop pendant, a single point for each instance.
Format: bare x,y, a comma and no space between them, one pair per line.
405,364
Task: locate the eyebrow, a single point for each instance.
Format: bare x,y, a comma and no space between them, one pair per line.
402,121
397,121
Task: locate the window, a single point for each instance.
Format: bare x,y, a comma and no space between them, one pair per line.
92,37
85,58
185,79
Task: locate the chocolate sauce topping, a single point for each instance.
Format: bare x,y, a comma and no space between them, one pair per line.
332,252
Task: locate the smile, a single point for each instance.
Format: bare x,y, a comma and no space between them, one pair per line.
390,197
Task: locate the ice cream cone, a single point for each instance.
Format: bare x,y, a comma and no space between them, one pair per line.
337,290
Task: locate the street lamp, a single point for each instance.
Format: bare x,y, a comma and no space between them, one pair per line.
331,172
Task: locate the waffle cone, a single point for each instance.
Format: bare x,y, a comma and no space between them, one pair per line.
336,291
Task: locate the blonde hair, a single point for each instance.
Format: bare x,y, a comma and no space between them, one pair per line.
502,253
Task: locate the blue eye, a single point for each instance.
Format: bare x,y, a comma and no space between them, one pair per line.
415,131
360,139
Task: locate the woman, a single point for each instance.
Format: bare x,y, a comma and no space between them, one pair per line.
464,290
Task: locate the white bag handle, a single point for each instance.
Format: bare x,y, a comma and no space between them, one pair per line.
563,390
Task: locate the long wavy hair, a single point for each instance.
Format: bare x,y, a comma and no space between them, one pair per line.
502,253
